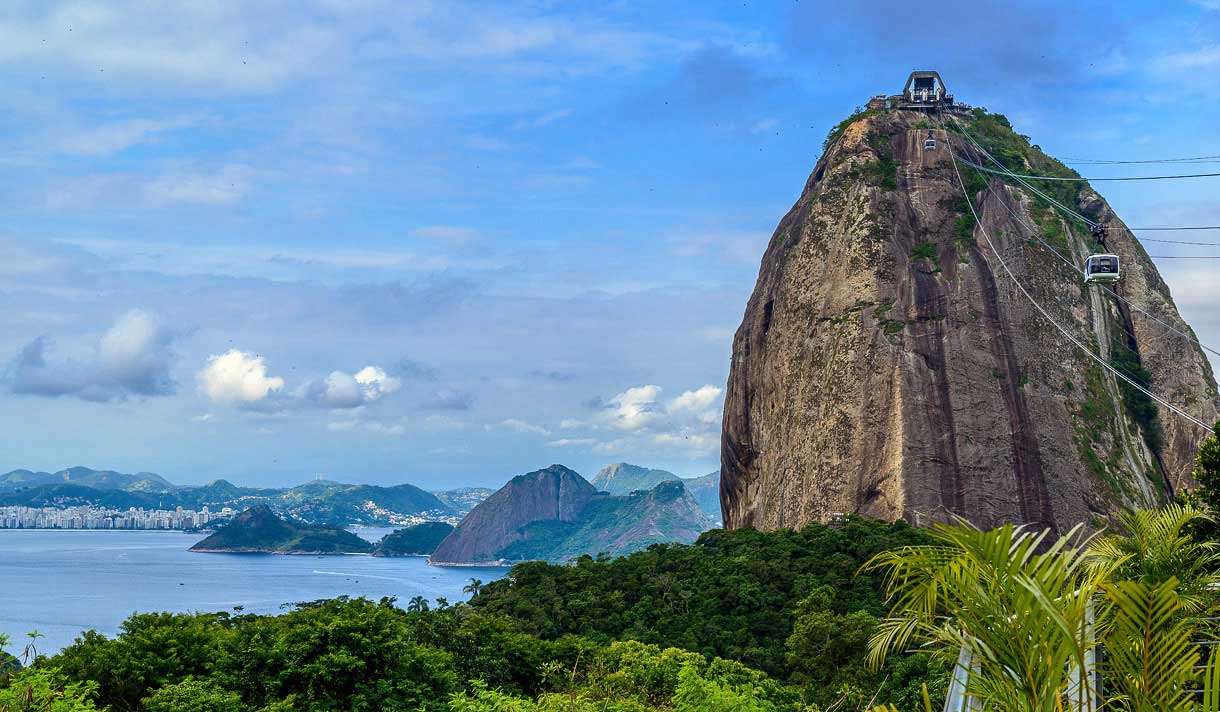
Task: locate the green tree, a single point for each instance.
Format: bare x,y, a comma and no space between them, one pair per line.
352,655
46,690
192,695
1017,601
1154,546
1207,469
152,650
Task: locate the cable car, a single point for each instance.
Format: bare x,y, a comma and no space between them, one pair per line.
929,143
1102,269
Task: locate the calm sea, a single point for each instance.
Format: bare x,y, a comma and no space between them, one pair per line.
61,583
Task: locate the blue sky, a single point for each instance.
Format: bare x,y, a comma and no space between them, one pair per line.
450,242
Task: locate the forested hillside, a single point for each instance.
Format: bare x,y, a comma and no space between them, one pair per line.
740,620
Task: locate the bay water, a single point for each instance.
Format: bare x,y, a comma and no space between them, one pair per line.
63,582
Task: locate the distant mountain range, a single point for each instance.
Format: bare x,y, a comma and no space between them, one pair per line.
85,477
555,514
623,478
318,501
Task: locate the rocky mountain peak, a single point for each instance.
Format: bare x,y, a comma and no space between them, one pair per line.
887,364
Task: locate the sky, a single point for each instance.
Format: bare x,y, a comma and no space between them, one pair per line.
450,242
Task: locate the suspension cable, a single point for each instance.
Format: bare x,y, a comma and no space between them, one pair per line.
1042,310
1034,234
1094,180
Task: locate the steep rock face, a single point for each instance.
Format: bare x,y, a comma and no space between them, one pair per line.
624,478
553,494
888,365
706,492
615,525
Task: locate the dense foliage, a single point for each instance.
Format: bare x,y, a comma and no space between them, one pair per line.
258,529
741,620
413,541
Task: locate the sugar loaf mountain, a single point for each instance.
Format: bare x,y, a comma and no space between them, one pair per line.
888,364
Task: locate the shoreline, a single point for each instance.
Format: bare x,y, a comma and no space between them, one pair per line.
96,531
245,550
499,564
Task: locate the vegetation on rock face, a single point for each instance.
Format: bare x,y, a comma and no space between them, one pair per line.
258,530
554,514
615,526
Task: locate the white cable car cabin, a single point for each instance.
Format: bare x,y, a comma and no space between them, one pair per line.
1102,269
929,143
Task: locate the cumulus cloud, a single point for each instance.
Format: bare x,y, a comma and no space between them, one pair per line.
633,409
132,358
688,424
695,401
237,377
241,378
350,390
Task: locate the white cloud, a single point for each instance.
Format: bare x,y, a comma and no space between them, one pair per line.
241,378
1198,59
133,357
697,400
375,382
571,442
116,136
202,418
522,426
237,377
688,425
372,426
633,409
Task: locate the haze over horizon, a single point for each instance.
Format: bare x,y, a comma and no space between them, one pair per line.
446,244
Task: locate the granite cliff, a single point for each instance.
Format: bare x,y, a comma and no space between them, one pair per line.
887,365
555,515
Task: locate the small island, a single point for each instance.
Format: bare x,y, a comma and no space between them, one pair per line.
259,531
418,540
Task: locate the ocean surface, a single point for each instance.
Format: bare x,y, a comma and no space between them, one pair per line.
61,583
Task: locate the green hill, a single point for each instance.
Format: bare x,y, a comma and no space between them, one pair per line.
419,540
258,530
86,477
625,478
318,501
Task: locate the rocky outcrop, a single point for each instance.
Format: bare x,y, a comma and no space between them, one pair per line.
624,478
888,365
555,515
554,494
